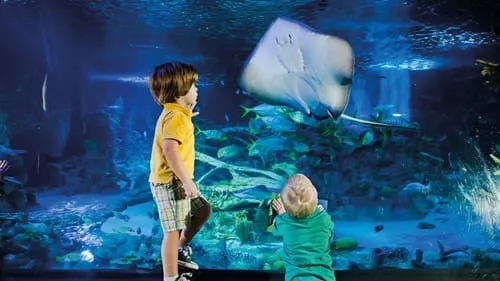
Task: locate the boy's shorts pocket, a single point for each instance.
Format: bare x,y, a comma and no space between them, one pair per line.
179,191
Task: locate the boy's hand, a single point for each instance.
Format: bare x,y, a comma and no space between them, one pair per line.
278,206
193,114
4,166
191,190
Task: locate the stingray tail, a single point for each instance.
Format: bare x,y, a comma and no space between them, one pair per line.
377,124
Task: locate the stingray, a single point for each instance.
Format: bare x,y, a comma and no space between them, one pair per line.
296,66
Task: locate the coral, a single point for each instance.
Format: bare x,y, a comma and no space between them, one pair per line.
272,178
444,255
378,256
418,262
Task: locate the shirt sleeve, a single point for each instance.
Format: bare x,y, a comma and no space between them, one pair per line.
277,225
174,127
328,225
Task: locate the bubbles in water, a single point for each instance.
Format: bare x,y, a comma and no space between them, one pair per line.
413,65
480,190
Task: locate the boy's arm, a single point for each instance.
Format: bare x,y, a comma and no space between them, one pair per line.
329,225
330,240
170,149
174,131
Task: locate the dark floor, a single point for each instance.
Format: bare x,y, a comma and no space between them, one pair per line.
205,275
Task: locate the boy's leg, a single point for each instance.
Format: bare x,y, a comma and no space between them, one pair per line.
169,253
174,216
200,213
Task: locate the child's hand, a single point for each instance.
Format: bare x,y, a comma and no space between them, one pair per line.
4,166
191,190
278,206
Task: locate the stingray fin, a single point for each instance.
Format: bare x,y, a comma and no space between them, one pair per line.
372,123
304,106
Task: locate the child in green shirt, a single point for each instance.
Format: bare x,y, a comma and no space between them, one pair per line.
307,232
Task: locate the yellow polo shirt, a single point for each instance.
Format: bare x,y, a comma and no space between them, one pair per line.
174,123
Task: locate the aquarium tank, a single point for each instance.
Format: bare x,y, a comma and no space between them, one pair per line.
77,122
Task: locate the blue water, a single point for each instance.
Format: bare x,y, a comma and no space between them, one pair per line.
77,196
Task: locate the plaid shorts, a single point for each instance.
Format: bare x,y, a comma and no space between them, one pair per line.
175,213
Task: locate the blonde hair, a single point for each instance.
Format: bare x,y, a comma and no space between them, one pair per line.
171,80
299,196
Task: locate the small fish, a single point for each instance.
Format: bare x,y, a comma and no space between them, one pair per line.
257,192
212,134
239,205
229,151
495,159
256,126
274,144
301,118
367,138
123,230
379,228
121,216
277,123
416,188
263,109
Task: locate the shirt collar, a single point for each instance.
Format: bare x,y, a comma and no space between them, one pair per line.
176,106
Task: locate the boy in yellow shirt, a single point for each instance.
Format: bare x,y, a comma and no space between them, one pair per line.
182,210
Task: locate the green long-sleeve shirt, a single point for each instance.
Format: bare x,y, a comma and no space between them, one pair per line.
306,246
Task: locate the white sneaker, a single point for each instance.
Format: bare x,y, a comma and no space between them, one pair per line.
184,277
189,265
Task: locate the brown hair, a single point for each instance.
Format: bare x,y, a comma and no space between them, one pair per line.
171,80
299,196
